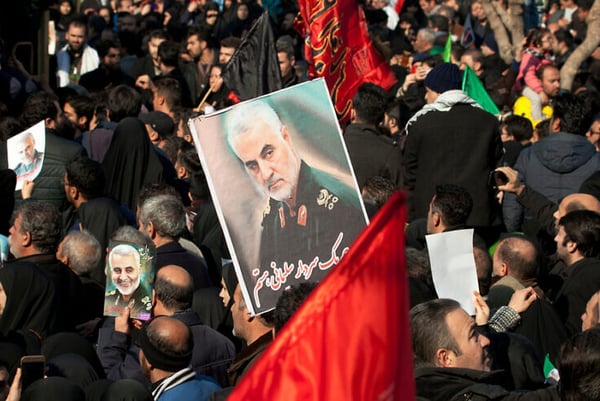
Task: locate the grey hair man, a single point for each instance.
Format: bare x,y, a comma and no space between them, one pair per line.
80,251
163,218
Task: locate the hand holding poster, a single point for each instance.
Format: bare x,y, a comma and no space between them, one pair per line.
295,208
130,271
26,153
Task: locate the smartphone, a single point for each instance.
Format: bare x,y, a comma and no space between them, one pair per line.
33,368
500,178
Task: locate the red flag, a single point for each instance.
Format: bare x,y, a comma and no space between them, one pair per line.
350,340
341,51
398,6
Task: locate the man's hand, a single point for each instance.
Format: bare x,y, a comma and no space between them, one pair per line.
482,310
122,324
27,189
544,97
14,393
521,300
144,82
513,185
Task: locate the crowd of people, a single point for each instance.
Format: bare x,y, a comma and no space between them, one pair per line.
119,165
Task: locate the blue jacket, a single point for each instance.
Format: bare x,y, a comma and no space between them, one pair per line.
197,389
556,166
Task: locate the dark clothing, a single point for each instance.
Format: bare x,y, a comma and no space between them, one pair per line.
512,149
208,235
186,94
460,146
30,299
583,281
372,154
539,323
97,142
322,203
248,357
211,355
102,78
455,384
49,183
556,166
69,290
8,181
130,162
142,66
174,254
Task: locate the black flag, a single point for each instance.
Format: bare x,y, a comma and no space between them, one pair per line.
254,68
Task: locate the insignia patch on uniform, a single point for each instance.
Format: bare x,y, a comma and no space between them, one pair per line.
326,199
302,215
267,210
281,217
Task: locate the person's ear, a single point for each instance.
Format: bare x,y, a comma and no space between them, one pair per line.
436,219
571,246
26,239
555,124
503,269
444,358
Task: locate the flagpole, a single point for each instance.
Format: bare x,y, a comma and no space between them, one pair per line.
197,109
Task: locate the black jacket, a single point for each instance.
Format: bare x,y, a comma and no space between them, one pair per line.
372,154
174,254
455,384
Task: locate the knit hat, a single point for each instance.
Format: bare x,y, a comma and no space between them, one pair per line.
160,122
444,77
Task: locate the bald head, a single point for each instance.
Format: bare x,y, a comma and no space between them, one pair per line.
174,289
516,257
166,345
574,202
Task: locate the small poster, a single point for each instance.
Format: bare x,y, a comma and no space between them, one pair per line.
26,153
130,271
283,188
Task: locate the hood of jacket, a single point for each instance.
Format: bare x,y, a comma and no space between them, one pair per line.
563,152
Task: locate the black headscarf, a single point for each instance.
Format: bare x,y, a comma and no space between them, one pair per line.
130,162
127,390
30,299
71,343
231,280
74,368
8,181
53,388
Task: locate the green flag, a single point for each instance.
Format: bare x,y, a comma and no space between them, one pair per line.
447,49
473,87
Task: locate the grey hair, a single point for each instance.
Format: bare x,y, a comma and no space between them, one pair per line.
167,214
129,235
41,220
427,34
83,250
243,118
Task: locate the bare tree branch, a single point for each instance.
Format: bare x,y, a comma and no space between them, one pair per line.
500,32
583,51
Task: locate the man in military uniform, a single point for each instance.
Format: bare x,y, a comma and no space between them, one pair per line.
31,159
125,271
312,217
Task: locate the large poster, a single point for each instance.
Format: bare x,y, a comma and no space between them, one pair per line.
26,153
283,188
